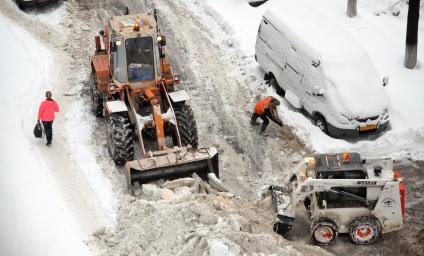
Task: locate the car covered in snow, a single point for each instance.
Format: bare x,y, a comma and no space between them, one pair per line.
320,69
33,3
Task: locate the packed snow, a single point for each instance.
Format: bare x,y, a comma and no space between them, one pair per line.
70,199
382,35
34,218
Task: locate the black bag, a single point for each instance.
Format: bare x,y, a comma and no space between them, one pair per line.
38,130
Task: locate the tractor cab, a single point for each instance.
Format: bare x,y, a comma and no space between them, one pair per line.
136,52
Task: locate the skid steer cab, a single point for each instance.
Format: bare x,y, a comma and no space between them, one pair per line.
343,193
133,85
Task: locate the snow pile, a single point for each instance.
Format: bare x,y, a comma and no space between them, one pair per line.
33,218
52,15
382,35
177,220
80,139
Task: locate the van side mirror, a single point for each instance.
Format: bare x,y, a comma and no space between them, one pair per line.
385,81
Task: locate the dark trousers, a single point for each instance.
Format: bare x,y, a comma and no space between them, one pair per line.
264,118
48,129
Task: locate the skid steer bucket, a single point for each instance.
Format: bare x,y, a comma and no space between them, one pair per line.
173,164
282,201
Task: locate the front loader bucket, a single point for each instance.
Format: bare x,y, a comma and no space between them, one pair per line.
173,164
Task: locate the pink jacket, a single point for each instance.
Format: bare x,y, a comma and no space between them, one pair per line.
47,110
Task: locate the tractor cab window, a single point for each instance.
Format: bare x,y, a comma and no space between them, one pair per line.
117,62
140,59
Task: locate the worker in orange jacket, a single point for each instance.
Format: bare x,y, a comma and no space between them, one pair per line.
46,114
266,108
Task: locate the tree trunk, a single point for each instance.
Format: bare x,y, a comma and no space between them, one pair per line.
412,34
351,8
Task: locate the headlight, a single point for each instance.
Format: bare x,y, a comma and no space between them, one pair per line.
385,114
118,43
345,120
112,87
176,77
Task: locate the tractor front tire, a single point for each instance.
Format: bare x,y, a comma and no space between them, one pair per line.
96,97
364,230
186,126
323,231
120,139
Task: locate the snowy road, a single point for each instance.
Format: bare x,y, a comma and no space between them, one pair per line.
88,192
223,94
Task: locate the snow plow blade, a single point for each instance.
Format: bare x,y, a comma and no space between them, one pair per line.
173,164
282,202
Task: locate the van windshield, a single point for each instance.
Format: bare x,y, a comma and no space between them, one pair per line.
140,59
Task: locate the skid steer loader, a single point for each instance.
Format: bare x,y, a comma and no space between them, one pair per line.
343,193
134,88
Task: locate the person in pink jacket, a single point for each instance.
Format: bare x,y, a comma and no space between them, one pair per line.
46,114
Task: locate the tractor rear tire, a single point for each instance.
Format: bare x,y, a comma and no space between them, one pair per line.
96,97
186,126
364,230
323,231
120,139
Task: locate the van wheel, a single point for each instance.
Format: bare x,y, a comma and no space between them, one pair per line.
321,123
364,230
324,231
278,89
20,4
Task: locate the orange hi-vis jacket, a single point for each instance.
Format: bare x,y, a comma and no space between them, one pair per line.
262,105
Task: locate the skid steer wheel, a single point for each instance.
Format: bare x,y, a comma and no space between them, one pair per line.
96,97
273,82
364,230
186,126
324,231
320,122
119,139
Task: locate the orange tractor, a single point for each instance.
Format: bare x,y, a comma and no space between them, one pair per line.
133,86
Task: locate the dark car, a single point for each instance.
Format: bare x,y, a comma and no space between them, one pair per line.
33,3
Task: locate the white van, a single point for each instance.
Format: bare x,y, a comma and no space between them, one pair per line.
321,69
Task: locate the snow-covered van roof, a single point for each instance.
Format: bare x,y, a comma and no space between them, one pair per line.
346,65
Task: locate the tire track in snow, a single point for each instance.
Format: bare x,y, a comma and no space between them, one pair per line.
222,98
